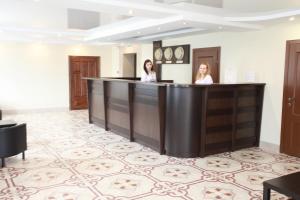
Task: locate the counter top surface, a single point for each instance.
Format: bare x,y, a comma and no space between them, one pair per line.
175,84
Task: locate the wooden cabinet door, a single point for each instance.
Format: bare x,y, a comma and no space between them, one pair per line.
81,66
290,128
211,56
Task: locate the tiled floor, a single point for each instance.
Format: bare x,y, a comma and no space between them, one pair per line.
71,159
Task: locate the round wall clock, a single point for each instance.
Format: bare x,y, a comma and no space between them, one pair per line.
158,54
168,53
179,53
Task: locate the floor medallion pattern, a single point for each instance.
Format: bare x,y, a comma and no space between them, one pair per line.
70,159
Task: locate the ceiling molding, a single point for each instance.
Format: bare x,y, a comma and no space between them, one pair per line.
147,20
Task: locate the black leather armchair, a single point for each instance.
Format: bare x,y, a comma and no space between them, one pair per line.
13,140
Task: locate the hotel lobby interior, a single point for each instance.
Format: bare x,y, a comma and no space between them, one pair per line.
70,76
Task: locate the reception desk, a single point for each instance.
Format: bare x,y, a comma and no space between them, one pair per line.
177,119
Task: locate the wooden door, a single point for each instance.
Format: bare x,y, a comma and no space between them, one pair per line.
211,56
290,127
81,66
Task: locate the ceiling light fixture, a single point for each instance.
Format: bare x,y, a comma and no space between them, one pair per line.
220,27
292,18
130,12
138,32
158,28
184,23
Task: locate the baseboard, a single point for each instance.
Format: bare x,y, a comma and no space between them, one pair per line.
269,147
29,111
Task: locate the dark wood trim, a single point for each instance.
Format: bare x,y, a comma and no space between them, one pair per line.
162,118
89,82
130,100
234,119
259,114
203,122
157,67
105,104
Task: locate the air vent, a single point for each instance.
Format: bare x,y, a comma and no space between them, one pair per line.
82,19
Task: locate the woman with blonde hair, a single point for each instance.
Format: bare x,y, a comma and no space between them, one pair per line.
203,75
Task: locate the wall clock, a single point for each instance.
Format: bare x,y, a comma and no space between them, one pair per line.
158,54
179,53
168,53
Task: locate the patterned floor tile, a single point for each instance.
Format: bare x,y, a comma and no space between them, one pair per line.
176,173
218,164
64,193
43,177
100,167
146,158
68,158
125,185
220,191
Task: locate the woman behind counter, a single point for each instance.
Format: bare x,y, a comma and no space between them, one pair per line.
203,75
148,75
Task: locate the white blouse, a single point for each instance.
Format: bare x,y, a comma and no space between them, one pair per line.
207,80
151,77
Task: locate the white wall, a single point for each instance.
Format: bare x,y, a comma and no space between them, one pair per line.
36,76
143,52
260,52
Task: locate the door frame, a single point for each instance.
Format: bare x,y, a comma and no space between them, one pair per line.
218,64
70,75
135,63
283,146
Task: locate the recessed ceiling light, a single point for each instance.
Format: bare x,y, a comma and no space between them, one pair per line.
184,23
292,18
138,32
220,27
130,12
158,28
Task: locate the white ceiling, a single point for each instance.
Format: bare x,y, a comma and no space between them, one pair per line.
136,20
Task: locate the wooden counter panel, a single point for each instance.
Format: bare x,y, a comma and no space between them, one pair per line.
181,120
246,117
245,133
247,101
220,103
218,137
146,119
220,120
118,116
96,103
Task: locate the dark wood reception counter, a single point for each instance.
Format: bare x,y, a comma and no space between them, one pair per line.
177,119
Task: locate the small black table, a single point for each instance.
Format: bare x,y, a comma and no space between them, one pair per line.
288,185
7,123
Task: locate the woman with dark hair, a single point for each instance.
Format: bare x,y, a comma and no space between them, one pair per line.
148,74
